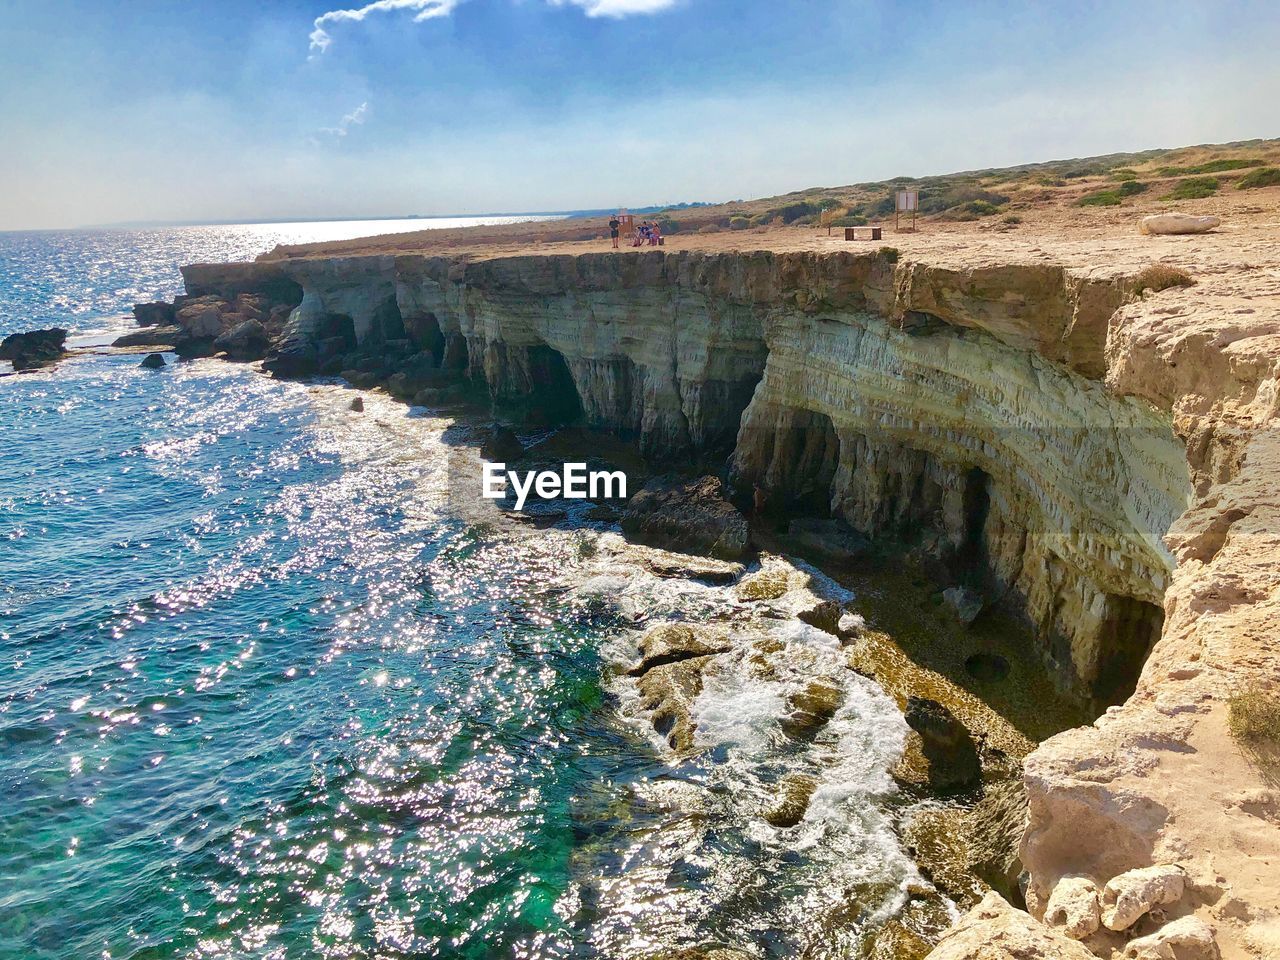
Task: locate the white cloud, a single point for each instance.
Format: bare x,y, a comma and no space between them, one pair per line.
617,9
352,119
430,9
422,9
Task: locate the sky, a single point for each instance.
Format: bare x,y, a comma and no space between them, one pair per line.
129,110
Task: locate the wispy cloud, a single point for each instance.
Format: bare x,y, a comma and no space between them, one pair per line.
617,9
430,9
422,10
352,119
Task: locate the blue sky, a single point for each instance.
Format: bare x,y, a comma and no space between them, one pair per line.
115,111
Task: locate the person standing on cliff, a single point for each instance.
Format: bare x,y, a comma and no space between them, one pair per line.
614,224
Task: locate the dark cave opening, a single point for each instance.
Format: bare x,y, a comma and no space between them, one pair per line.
1129,631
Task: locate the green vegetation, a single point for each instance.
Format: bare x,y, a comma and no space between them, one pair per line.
1103,198
1213,166
890,254
1161,276
1011,218
850,220
739,223
1193,188
1265,177
1113,198
1123,174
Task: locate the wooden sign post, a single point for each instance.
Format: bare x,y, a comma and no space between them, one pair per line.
905,201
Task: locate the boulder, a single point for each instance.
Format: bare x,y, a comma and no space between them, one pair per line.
502,446
966,603
155,314
688,516
833,540
1073,907
201,317
1177,223
169,335
789,806
293,358
437,396
357,405
246,339
811,709
672,642
948,749
34,349
1127,898
993,930
1187,938
152,361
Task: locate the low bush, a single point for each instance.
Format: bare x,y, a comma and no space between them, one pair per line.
1131,188
709,228
890,254
1103,198
1265,177
1012,219
1161,276
1193,188
739,223
1253,719
1124,175
849,220
1213,166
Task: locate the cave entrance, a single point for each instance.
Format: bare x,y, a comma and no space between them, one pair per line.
335,325
1129,631
553,396
387,323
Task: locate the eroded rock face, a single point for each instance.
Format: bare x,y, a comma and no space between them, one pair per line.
1187,938
1126,899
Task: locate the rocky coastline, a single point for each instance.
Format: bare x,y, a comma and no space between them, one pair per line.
1044,440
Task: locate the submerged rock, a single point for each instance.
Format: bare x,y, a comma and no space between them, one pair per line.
34,349
689,516
795,790
812,709
152,361
667,691
672,642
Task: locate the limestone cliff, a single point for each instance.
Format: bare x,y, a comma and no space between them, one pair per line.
1102,461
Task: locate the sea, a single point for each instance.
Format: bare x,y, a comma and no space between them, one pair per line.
266,692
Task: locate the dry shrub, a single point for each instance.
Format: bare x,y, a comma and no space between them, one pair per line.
1253,717
1161,276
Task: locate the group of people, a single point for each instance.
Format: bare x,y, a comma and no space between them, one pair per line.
646,231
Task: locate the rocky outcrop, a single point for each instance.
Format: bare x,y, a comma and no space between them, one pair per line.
687,516
1102,462
993,930
157,314
35,349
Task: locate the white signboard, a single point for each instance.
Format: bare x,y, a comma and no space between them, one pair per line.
908,200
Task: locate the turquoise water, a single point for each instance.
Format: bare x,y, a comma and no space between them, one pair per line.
262,694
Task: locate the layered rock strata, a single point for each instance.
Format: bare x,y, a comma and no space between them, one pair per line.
1105,462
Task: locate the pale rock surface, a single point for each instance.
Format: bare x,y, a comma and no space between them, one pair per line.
993,930
1073,906
1127,898
1177,223
1187,938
